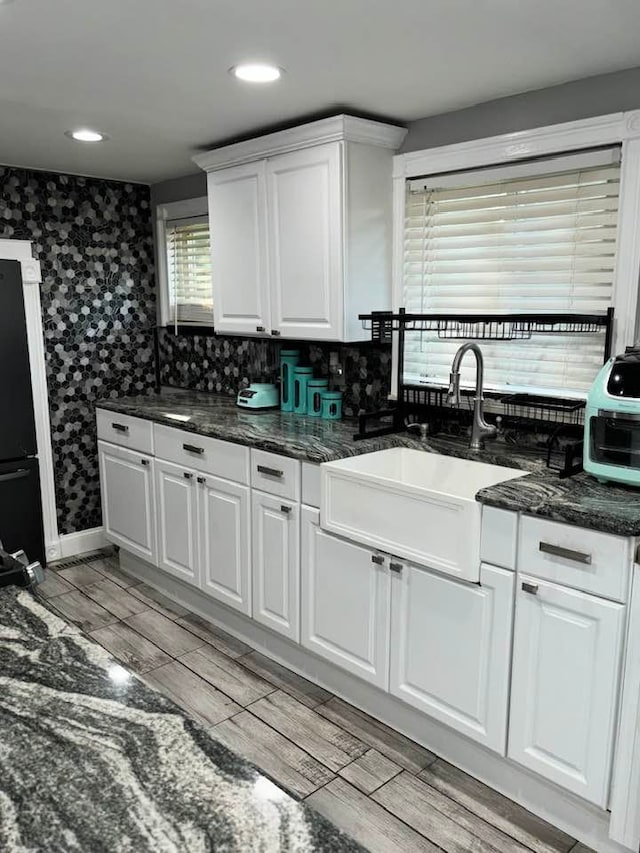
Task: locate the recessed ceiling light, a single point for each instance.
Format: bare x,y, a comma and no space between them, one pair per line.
256,72
84,134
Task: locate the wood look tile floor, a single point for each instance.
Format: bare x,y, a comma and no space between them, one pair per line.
389,793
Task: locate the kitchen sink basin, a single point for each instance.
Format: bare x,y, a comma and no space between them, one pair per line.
411,504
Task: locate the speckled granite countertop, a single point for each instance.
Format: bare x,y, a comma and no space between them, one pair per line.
577,500
94,760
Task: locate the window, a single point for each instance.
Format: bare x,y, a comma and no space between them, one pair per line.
185,263
532,237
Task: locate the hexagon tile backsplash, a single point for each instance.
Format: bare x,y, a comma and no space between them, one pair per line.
93,239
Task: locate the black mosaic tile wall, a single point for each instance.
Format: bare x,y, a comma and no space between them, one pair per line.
93,239
224,364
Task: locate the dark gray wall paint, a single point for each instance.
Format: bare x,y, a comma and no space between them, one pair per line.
592,96
177,189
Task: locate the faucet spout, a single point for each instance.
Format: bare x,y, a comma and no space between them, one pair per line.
480,428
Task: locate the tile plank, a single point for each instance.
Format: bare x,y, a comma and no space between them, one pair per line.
443,821
195,695
295,685
80,610
164,632
516,821
330,744
52,585
129,647
82,575
283,761
213,635
370,771
157,601
226,675
581,848
366,822
114,598
386,740
112,570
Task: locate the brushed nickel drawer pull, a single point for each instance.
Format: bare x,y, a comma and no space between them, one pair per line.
531,588
378,559
259,328
144,461
120,427
567,553
187,475
191,448
275,333
202,479
396,567
285,509
272,472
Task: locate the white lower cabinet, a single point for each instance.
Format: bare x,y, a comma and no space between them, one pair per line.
564,689
345,602
223,541
128,499
177,510
451,648
276,563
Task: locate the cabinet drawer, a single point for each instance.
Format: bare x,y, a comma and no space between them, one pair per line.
275,474
209,455
573,556
134,433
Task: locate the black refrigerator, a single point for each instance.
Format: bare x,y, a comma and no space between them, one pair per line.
20,501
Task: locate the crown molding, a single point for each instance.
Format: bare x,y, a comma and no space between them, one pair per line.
340,128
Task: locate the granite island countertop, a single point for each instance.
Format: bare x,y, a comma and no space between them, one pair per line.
579,500
94,760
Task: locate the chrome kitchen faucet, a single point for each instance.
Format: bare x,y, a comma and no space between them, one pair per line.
480,428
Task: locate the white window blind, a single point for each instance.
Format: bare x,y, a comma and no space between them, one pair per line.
189,271
537,237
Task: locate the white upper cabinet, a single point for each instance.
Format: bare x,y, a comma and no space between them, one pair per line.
237,216
301,229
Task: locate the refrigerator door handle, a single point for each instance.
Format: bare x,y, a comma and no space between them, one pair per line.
20,474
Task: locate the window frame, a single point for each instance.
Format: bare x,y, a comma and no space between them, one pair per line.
613,129
165,213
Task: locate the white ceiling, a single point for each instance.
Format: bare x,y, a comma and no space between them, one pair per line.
153,73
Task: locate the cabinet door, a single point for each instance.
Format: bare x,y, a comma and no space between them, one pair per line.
237,216
305,242
345,602
564,690
223,541
451,648
176,501
128,500
276,563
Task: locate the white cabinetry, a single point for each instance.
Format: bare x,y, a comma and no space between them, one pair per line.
301,229
223,541
128,499
345,602
176,500
451,648
564,689
276,563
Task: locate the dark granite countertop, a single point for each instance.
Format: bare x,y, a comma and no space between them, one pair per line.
94,760
579,500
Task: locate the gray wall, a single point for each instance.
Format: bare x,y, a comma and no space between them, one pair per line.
177,189
592,96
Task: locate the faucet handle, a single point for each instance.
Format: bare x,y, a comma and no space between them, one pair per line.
453,393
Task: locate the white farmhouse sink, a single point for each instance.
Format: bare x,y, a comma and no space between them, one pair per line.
412,504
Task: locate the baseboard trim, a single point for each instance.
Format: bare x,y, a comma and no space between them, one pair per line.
81,542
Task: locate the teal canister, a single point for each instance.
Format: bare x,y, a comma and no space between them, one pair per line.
301,376
288,360
315,387
332,405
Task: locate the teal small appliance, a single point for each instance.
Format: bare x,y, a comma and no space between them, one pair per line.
612,421
259,395
289,358
301,376
315,387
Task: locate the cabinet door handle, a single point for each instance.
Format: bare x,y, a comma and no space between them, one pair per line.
260,329
285,509
272,472
187,475
567,553
201,479
120,427
191,448
144,461
275,333
531,588
396,567
378,559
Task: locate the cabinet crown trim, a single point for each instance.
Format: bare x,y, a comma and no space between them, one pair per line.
340,128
